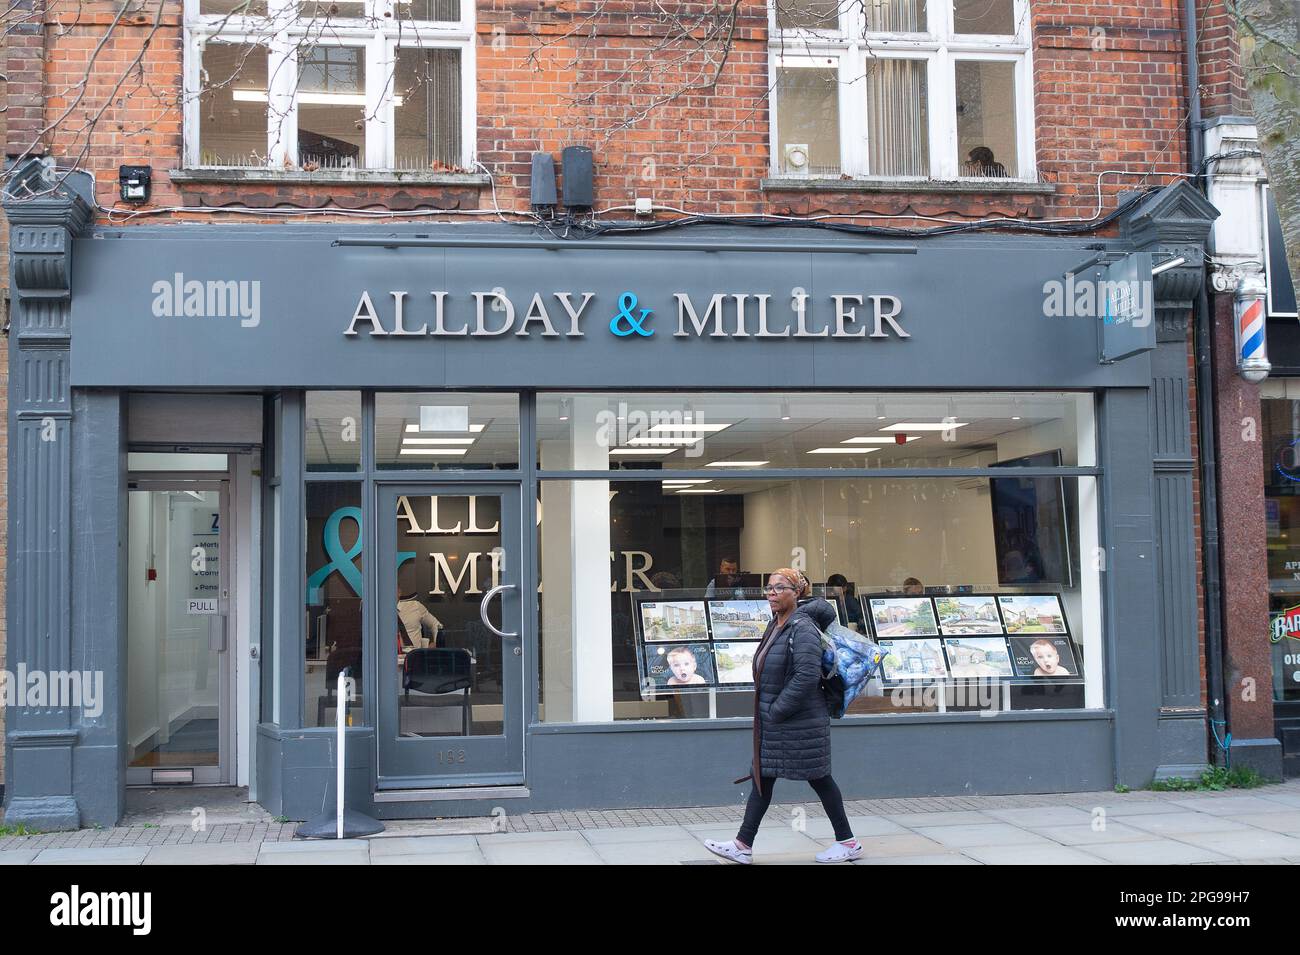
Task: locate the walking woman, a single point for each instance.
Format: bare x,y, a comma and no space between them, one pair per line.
792,733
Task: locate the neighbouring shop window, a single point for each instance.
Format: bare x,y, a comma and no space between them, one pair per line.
909,89
429,114
332,439
232,105
652,591
333,599
1281,449
446,430
767,430
343,85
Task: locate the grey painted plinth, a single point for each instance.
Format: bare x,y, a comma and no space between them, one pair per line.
43,813
1182,740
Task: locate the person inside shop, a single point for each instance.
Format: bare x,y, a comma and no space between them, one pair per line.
913,587
980,162
728,579
664,580
792,731
852,606
417,627
1048,659
682,662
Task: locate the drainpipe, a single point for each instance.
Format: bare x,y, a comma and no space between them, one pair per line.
1203,337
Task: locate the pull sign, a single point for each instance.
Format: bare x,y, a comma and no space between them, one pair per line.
200,607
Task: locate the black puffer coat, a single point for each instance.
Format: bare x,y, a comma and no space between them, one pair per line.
792,731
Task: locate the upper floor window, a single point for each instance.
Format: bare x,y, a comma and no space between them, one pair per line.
901,88
344,84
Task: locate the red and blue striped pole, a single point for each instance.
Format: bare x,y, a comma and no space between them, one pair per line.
1249,331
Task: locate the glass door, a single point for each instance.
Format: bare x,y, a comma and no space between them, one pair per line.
178,684
450,650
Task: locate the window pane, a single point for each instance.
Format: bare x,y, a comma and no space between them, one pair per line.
1281,461
333,434
232,105
897,118
984,16
749,431
237,8
986,118
896,16
331,107
446,430
658,590
334,591
822,15
441,11
448,666
808,122
427,109
319,11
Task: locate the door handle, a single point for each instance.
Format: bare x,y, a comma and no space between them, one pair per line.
483,610
217,634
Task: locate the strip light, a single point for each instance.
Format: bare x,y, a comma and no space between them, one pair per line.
925,426
415,428
309,98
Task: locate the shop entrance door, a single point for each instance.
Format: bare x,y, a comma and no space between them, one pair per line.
450,647
178,682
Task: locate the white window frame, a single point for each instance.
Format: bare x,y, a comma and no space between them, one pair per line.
854,49
380,36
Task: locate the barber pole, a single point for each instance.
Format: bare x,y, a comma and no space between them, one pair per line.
1248,332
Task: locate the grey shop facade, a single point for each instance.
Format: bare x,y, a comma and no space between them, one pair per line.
576,461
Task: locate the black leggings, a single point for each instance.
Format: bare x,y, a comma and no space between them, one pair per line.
826,791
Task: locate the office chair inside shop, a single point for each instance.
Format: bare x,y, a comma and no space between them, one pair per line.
437,671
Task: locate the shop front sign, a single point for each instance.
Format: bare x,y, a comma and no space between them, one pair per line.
493,313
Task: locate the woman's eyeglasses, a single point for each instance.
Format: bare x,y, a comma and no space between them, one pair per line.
776,588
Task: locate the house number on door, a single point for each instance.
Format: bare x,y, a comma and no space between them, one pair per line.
451,756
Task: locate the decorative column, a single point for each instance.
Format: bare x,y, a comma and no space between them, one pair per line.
1174,223
40,738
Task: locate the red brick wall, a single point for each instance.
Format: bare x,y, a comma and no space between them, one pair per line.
1108,85
1223,87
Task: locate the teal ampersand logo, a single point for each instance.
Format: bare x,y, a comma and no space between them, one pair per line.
342,560
625,323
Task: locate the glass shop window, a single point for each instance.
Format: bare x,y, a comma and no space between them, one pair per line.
975,586
1281,449
334,589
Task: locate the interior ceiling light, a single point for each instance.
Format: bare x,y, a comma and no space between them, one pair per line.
452,451
689,427
641,452
735,464
415,428
925,425
664,441
438,440
842,450
878,439
700,490
687,481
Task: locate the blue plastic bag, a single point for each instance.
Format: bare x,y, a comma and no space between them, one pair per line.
849,661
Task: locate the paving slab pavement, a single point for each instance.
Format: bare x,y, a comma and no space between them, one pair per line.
1260,826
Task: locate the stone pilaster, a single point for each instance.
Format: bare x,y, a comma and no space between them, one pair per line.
1173,224
44,216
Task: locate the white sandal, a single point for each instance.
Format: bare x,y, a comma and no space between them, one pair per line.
729,850
841,852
